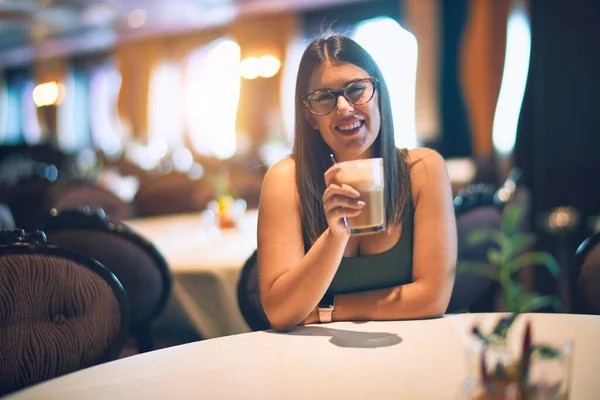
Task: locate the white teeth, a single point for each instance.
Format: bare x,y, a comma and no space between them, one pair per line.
350,127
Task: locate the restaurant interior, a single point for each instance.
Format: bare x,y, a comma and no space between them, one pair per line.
135,136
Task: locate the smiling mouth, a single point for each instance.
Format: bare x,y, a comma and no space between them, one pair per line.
350,129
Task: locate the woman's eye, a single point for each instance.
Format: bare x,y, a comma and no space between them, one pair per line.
355,92
322,97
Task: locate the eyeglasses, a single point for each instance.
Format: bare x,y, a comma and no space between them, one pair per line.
323,101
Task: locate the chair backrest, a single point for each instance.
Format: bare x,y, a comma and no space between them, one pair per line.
80,195
173,193
470,288
59,311
474,196
29,201
136,262
587,270
475,209
248,295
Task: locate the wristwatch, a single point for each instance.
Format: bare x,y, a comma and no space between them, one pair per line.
326,307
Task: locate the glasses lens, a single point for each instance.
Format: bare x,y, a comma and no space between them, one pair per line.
359,92
321,102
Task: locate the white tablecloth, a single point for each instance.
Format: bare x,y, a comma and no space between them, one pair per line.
205,264
374,360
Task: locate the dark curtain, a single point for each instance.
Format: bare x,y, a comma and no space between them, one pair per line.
558,140
455,138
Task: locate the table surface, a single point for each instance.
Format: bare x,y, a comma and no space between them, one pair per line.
374,360
205,263
189,243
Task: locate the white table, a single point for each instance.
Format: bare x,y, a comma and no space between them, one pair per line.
374,360
205,264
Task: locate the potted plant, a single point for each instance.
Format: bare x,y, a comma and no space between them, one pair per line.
511,254
505,374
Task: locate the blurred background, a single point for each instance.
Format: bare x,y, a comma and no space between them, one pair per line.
166,105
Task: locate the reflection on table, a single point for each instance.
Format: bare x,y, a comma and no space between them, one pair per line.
374,360
205,263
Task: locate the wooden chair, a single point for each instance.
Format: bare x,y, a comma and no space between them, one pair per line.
586,273
137,263
475,209
82,194
59,311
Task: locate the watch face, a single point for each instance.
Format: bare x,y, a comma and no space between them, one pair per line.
326,301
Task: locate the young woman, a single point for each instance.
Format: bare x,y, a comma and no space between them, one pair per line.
310,268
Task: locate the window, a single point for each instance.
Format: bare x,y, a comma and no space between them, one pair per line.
212,92
288,85
10,108
105,83
165,104
398,64
514,80
72,114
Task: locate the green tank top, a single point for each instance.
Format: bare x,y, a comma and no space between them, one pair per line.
390,268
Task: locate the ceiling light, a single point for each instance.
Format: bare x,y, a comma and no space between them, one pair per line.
250,68
136,18
48,94
269,66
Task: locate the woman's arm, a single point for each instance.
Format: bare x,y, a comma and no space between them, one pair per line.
292,283
434,253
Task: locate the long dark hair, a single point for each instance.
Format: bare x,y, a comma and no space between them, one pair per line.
311,153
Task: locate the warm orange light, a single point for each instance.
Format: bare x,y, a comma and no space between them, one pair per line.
265,66
250,68
269,66
136,18
47,94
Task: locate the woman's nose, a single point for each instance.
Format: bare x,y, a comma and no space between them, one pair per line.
343,106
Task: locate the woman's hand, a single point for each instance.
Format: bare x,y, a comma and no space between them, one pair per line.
339,202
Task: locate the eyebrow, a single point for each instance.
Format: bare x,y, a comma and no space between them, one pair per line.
343,86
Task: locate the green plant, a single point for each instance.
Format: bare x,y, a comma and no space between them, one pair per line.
510,254
505,370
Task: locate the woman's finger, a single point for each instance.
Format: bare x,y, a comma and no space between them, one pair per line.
342,201
331,174
341,212
344,190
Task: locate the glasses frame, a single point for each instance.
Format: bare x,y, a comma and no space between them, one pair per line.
340,92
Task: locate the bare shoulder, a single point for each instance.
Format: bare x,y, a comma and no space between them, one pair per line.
428,169
282,173
280,181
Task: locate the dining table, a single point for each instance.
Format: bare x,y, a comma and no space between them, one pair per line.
205,262
412,359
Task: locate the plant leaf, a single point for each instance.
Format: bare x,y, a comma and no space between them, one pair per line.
504,324
538,258
495,257
479,268
481,236
538,302
512,295
520,242
512,218
545,351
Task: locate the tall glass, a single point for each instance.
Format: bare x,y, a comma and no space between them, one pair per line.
550,373
366,176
